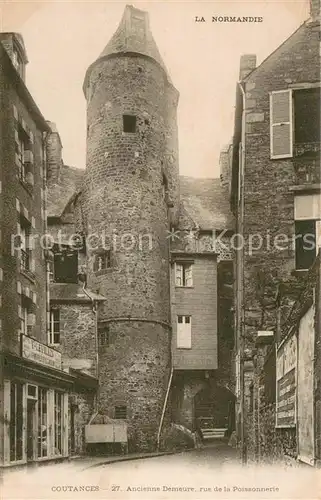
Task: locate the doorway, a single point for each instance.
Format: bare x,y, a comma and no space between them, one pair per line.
31,413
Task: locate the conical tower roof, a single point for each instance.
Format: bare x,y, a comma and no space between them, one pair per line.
133,35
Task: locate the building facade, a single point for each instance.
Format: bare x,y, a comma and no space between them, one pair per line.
275,195
144,303
34,386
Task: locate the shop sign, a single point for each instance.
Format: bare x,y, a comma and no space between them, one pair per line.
33,350
286,367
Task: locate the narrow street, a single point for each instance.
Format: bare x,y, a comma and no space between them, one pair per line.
211,472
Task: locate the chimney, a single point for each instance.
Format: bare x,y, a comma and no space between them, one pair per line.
315,10
53,154
225,163
14,45
247,64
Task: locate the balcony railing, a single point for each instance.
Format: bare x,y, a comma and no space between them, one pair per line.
25,260
307,163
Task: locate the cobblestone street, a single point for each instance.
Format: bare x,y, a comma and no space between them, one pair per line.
211,472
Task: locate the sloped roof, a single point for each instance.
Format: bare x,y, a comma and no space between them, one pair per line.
206,202
291,44
73,292
68,291
132,36
59,193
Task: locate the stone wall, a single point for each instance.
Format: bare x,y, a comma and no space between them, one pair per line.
131,182
78,343
20,199
134,372
81,407
269,213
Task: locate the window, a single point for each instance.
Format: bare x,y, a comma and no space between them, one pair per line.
103,335
24,155
165,187
294,118
184,332
58,422
25,230
102,261
42,423
307,213
27,318
307,115
183,274
121,412
65,266
24,320
129,124
307,240
51,272
54,327
16,421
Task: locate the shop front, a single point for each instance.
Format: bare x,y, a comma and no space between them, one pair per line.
34,404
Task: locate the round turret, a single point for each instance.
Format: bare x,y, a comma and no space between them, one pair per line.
131,193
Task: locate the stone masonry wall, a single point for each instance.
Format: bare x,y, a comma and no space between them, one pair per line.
268,201
269,205
134,371
124,192
16,199
126,195
78,336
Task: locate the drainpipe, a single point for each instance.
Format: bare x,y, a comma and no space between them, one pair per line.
242,344
95,310
164,407
44,207
170,320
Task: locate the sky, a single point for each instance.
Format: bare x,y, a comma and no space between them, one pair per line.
63,37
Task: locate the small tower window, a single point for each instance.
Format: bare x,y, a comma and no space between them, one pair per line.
121,412
103,335
102,261
129,124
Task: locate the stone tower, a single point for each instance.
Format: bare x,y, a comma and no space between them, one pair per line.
130,202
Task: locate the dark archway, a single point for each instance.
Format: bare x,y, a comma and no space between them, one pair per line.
216,403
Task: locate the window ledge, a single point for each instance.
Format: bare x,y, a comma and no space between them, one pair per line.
182,286
305,187
27,187
29,275
299,272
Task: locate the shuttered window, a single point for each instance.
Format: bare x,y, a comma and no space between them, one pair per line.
281,124
184,332
183,274
305,243
307,214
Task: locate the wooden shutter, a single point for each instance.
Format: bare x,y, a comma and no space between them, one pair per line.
184,334
188,276
178,274
281,124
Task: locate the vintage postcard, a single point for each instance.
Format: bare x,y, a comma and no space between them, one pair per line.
160,262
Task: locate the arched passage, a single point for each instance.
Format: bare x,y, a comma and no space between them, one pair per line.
216,403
